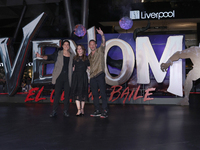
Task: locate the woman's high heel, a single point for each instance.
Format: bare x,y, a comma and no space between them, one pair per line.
78,115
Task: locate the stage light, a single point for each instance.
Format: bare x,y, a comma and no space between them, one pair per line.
125,23
79,30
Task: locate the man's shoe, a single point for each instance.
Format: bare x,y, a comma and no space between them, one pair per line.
66,114
53,114
96,113
104,114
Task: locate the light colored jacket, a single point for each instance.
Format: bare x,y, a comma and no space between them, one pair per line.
59,65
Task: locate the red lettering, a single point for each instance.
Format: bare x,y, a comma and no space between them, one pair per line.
37,98
30,93
147,94
116,89
51,97
136,92
129,98
99,95
90,95
62,96
125,92
114,92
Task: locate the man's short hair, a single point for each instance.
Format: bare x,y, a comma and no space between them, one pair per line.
93,41
65,41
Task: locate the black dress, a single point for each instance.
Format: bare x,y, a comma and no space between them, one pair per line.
79,87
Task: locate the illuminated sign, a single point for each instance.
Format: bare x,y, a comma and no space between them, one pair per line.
136,14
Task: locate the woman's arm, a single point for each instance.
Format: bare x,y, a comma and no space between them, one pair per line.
45,57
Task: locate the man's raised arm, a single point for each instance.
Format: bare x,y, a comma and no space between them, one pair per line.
103,43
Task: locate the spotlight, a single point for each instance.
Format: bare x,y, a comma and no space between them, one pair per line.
79,30
125,23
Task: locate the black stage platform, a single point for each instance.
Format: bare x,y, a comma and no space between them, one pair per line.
27,126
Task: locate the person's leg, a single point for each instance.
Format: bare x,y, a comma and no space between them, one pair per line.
78,105
102,87
94,89
58,92
67,93
82,107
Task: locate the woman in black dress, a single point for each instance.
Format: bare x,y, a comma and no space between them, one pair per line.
79,87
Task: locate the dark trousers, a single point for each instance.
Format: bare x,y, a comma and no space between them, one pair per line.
95,84
61,81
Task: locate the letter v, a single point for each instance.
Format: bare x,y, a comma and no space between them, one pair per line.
13,73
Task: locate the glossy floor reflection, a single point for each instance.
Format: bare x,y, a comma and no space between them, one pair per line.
129,127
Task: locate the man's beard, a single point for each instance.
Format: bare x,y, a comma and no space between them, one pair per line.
93,49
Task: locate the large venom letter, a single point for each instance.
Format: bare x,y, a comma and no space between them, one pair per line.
91,35
13,73
146,57
128,62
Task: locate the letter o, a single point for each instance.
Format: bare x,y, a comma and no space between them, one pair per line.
128,62
160,15
165,14
170,13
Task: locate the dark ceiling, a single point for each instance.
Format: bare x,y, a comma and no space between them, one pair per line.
106,11
99,11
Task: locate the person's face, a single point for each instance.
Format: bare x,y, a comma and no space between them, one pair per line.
92,45
65,46
80,51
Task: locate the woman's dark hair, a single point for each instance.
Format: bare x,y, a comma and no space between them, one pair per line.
84,57
65,41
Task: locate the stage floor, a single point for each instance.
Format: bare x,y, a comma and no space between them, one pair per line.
27,126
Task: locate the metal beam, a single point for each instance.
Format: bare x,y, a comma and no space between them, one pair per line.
19,22
85,11
68,14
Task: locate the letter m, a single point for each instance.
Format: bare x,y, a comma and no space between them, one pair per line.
13,73
146,57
